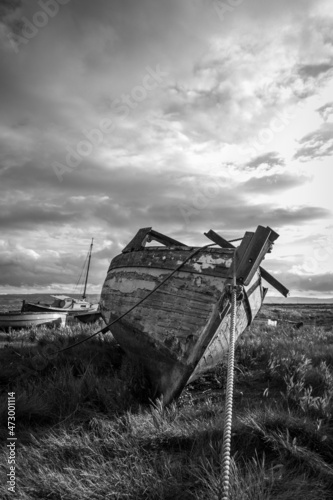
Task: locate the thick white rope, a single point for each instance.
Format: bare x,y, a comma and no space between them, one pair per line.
226,460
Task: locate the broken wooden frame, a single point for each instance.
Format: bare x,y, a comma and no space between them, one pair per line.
147,234
250,253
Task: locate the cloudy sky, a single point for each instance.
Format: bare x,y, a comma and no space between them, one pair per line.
184,116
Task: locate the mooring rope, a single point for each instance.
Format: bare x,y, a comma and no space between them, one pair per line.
226,446
106,328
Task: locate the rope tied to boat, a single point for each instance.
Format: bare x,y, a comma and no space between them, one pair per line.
226,446
106,328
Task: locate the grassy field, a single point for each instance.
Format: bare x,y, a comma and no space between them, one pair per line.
86,428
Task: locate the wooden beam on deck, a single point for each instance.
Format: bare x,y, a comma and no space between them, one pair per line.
147,234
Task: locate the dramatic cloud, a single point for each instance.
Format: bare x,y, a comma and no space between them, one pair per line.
315,70
267,160
326,111
269,184
321,284
20,267
183,116
317,144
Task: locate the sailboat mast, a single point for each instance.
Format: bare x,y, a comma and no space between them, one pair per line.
86,280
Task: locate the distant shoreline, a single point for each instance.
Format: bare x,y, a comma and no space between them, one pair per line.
297,300
268,300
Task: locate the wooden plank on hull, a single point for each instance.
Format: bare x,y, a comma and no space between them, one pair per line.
214,262
177,309
165,240
241,252
274,235
137,243
274,282
169,357
251,252
218,239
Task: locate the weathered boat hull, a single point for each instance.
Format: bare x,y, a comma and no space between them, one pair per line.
247,309
18,320
178,333
180,329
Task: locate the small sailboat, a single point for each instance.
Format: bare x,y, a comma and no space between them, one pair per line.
171,303
73,306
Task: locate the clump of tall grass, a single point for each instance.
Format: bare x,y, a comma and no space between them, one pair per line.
257,480
258,343
307,387
50,385
132,457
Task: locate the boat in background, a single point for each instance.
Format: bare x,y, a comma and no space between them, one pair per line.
18,320
173,302
61,303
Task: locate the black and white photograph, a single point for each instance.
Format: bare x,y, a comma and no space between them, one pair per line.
166,249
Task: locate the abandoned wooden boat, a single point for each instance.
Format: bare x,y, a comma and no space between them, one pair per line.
65,303
173,302
18,320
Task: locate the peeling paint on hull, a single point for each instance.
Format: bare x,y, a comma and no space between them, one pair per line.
177,333
208,261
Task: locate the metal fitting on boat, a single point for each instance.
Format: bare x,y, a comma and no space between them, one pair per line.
239,291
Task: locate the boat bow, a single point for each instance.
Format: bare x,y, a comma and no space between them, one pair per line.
179,327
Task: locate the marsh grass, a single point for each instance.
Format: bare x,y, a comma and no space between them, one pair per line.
87,427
